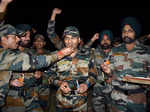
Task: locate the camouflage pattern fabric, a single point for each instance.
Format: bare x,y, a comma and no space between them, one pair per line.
129,97
101,101
54,38
26,98
79,69
15,61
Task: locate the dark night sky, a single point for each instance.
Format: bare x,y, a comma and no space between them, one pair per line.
89,17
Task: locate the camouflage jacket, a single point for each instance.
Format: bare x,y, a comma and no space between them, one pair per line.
56,40
135,63
100,57
76,70
11,60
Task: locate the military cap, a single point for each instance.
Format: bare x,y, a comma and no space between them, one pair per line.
22,28
7,30
71,30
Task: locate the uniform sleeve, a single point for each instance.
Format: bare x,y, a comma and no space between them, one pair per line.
148,61
88,45
93,73
54,38
2,15
92,77
53,77
31,82
25,62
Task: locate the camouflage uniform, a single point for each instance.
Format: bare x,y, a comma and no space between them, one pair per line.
54,38
14,61
101,91
44,87
47,92
24,96
76,70
129,97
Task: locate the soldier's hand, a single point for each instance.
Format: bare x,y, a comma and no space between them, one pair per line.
64,52
106,68
65,87
83,88
16,83
6,1
38,74
95,37
57,11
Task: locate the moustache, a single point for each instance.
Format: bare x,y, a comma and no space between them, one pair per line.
128,40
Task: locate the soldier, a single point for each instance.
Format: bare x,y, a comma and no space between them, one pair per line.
129,59
23,96
24,30
3,7
102,89
12,60
54,38
74,75
43,88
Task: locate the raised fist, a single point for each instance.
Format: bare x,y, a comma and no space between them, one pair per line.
95,37
57,11
6,1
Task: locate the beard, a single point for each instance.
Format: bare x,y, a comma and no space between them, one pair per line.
128,40
106,46
25,44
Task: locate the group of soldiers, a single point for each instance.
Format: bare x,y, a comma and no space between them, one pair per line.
76,77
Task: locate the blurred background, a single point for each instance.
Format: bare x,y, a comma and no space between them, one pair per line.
90,17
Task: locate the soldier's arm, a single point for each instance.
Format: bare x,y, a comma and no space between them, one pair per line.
93,39
3,7
24,62
30,82
93,73
52,76
54,38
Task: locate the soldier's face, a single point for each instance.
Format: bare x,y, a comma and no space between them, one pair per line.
25,40
128,32
39,43
105,40
12,41
72,42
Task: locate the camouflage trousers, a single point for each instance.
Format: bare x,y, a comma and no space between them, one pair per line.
44,93
101,101
3,92
4,86
19,98
131,101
